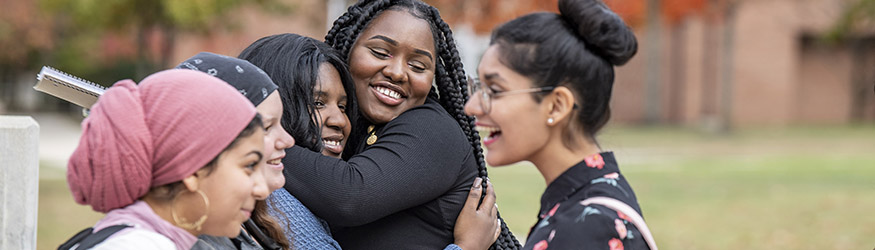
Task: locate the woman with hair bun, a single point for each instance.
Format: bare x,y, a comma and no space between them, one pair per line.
545,93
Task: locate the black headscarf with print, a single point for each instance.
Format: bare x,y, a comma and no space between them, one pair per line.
248,79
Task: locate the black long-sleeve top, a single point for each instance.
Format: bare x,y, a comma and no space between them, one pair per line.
402,192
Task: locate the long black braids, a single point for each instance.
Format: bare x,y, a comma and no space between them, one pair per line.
453,97
450,75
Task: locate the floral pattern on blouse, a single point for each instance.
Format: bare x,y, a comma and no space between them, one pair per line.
565,223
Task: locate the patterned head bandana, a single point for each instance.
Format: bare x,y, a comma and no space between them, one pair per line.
248,79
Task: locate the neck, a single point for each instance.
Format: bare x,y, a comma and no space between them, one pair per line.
163,210
555,158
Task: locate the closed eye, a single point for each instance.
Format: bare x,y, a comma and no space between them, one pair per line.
253,162
417,67
380,53
251,166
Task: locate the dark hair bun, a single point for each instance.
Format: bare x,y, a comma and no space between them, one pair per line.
600,28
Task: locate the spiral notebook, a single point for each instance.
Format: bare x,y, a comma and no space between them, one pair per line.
70,88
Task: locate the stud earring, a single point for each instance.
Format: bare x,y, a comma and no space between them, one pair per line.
550,120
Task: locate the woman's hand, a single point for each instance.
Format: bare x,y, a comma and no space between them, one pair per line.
477,227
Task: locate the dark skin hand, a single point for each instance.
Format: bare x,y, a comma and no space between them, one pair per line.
477,226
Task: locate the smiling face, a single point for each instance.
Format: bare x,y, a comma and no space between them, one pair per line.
330,97
393,65
233,186
515,124
276,140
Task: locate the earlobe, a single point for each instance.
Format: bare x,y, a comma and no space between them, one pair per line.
191,182
561,105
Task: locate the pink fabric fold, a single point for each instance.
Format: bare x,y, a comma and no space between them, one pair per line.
141,216
159,132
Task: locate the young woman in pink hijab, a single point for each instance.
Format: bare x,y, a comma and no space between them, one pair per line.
171,158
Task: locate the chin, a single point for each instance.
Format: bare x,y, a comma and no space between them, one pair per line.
384,116
230,231
497,160
277,185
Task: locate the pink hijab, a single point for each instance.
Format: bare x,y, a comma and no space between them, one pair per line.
155,133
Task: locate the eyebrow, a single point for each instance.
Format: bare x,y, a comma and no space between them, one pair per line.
260,156
425,53
395,43
384,38
492,77
268,119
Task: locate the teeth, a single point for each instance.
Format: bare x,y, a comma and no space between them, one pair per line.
275,161
389,92
330,142
488,130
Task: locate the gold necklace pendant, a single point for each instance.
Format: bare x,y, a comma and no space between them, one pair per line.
373,135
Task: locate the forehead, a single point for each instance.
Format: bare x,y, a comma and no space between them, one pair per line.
491,68
253,142
271,107
401,26
329,79
489,62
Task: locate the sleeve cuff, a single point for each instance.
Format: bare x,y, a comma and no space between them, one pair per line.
452,247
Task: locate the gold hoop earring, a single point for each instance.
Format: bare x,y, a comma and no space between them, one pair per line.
181,222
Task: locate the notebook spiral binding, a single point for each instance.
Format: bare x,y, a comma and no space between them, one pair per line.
96,90
58,83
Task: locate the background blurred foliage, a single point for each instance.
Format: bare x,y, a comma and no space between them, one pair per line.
190,15
107,40
857,16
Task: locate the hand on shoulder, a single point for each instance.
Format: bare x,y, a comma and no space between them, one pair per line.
477,226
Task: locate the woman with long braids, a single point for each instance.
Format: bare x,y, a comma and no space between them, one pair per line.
545,93
318,100
412,159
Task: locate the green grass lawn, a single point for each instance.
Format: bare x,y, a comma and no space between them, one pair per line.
59,217
800,188
803,188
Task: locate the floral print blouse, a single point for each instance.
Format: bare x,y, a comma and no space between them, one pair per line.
566,224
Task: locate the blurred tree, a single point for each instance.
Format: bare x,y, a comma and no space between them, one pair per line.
855,27
22,36
859,14
151,25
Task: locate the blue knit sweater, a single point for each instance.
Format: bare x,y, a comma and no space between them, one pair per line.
303,229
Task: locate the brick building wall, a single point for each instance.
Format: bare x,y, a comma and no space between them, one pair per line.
763,65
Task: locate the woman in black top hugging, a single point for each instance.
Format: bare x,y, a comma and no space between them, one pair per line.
407,172
545,92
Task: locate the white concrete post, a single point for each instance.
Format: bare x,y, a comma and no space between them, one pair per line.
19,181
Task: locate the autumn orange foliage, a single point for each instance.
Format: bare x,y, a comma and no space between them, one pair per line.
484,15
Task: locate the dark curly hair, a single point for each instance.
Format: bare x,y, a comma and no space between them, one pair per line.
450,77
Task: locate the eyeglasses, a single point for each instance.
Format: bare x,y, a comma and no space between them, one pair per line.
486,94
